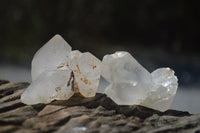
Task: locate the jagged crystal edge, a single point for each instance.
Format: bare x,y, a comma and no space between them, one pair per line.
132,84
54,67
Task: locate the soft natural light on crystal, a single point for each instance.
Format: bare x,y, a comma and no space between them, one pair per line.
58,73
49,56
49,86
132,84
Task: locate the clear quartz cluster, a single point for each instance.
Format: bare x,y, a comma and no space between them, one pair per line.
132,84
58,72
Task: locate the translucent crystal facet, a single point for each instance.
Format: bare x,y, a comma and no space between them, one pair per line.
164,90
49,56
86,68
58,73
122,67
49,86
130,83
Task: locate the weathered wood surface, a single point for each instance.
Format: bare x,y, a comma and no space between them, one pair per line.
93,115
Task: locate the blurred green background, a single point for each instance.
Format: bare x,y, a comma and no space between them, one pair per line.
97,25
157,33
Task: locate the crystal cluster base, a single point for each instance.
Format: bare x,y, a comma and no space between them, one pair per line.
132,84
58,73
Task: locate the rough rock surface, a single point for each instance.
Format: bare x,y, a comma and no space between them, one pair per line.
91,115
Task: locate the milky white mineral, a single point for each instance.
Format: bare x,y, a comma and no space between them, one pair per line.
57,73
132,84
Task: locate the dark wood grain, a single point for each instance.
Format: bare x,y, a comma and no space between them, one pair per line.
91,115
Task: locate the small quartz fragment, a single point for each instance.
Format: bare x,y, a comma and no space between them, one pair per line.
164,90
88,74
58,73
131,83
49,86
86,68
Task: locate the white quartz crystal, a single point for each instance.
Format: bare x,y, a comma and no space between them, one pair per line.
49,56
49,86
86,68
132,84
58,73
165,86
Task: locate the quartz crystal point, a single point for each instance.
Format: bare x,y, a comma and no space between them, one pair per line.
86,68
49,86
57,73
49,56
131,84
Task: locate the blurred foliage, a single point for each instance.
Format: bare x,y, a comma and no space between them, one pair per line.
93,24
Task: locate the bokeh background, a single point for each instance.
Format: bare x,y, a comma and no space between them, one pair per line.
157,33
